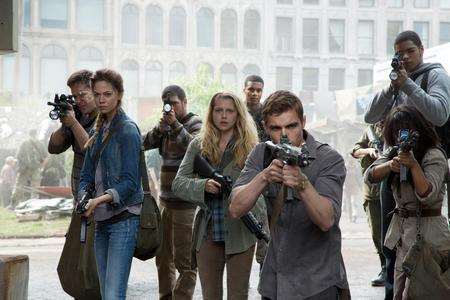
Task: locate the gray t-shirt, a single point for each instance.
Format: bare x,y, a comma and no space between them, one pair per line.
302,260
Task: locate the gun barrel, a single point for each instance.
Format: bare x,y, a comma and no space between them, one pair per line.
255,227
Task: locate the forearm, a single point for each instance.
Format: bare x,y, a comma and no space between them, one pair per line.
319,208
380,172
58,142
80,134
421,183
360,153
378,107
103,199
243,198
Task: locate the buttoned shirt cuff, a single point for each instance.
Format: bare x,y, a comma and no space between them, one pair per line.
115,195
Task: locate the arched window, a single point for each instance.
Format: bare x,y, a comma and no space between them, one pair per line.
228,76
154,25
153,78
252,30
251,69
177,27
53,14
206,70
26,13
177,71
90,16
205,28
25,70
130,75
130,24
228,29
53,70
90,58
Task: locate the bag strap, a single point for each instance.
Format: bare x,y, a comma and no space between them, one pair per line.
144,174
104,143
418,217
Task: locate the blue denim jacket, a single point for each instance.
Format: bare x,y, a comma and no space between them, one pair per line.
119,162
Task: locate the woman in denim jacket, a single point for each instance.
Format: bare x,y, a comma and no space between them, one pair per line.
115,185
227,137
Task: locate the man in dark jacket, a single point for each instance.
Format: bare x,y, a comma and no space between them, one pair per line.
172,136
75,133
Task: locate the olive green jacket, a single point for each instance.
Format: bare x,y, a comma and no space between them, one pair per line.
192,189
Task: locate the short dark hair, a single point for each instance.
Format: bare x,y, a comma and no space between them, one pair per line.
280,102
173,90
81,76
408,117
253,78
408,35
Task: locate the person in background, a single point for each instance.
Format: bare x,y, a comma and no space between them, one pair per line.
7,179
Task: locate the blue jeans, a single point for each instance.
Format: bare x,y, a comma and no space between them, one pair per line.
114,247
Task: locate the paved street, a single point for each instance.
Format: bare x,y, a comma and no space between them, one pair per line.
359,256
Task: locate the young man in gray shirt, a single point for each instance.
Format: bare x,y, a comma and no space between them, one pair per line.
304,259
433,102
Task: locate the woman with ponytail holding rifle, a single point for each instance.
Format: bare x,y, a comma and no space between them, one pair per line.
227,137
111,174
421,191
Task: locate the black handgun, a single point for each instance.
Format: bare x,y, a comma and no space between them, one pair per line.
289,155
205,170
80,209
396,64
61,104
406,141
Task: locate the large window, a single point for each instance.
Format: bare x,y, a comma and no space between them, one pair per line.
130,24
228,74
25,70
154,25
365,77
177,71
445,4
205,69
9,62
393,29
26,13
336,79
310,79
284,1
284,34
90,58
205,28
421,3
90,16
423,30
252,29
53,14
366,3
177,27
311,2
336,38
284,78
54,70
395,3
365,37
311,35
444,32
130,75
228,29
337,2
251,69
153,78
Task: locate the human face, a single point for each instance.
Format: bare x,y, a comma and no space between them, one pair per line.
287,123
83,97
253,92
107,98
412,56
224,114
178,106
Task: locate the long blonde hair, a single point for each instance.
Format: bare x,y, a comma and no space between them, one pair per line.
115,79
245,133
